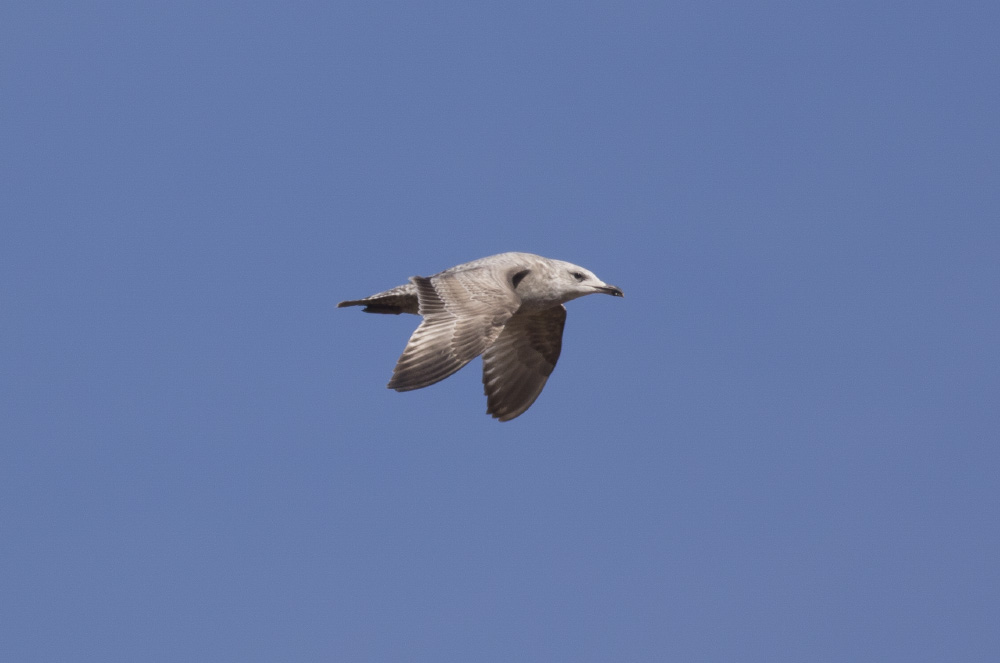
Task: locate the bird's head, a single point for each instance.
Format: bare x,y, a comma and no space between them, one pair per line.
578,282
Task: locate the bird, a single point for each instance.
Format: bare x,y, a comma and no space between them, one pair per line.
508,307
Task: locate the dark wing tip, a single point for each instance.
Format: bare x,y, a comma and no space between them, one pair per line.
505,416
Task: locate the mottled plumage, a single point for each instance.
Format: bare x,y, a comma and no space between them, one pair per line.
507,308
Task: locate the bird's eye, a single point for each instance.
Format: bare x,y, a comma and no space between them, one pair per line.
578,276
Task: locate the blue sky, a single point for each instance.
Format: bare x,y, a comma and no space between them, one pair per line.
780,446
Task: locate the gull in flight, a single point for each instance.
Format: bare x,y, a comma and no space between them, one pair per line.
507,308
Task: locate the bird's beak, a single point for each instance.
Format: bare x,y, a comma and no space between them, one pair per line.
610,290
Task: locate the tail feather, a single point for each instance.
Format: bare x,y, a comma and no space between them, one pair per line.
373,306
398,300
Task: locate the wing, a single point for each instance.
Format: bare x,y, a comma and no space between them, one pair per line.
517,365
464,312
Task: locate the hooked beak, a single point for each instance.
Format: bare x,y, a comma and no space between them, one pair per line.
610,290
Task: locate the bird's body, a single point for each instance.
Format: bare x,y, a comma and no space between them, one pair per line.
507,307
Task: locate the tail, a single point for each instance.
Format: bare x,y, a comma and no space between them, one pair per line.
373,306
401,299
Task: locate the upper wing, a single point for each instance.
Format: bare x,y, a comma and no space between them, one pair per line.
517,365
463,313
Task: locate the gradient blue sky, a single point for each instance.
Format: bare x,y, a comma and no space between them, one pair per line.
781,446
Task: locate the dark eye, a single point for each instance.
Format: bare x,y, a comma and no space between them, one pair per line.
578,276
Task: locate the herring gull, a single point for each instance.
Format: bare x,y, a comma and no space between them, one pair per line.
507,308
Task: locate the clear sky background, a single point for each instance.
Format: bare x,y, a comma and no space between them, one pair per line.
782,445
